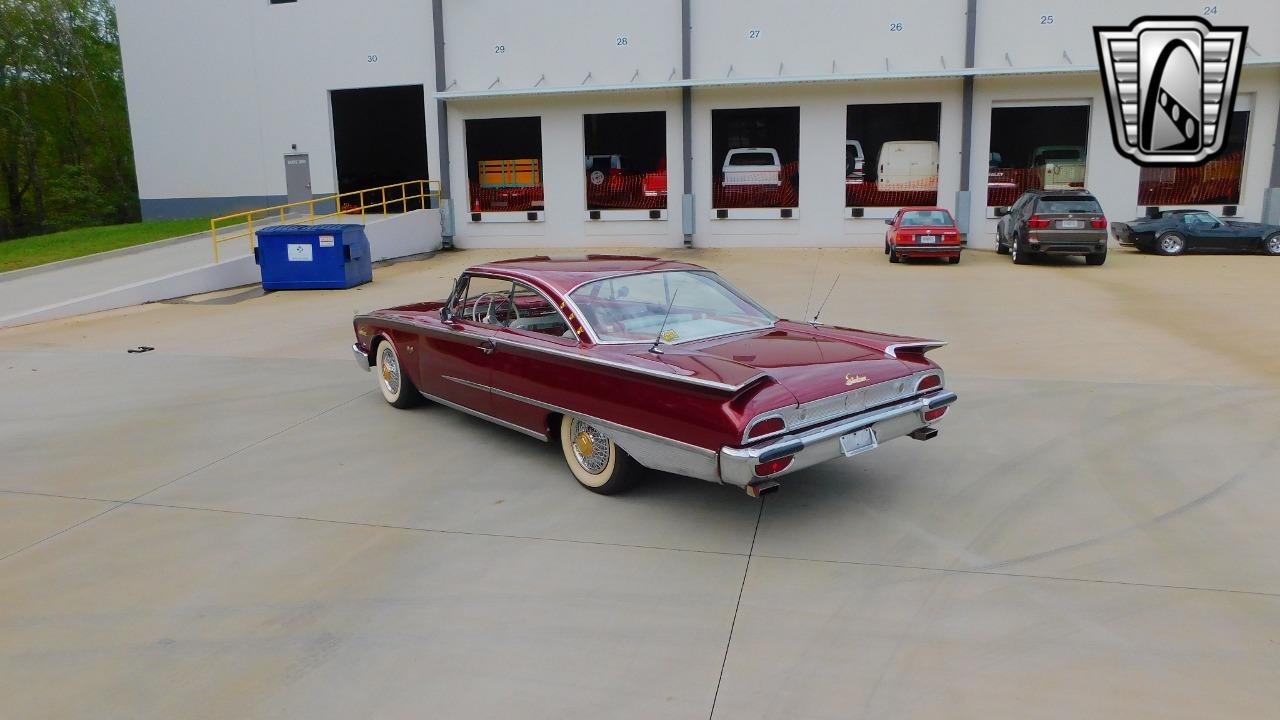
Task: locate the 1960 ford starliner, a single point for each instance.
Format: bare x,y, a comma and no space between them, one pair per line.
630,361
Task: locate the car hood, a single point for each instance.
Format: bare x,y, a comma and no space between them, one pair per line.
808,362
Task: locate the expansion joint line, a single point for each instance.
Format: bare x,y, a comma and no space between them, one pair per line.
728,643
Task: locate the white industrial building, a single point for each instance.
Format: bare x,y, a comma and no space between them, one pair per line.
225,96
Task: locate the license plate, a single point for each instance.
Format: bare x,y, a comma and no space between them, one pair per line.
1071,224
928,239
858,442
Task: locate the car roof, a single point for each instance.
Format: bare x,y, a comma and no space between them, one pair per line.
563,273
1064,191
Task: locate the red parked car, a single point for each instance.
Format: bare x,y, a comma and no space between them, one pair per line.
917,232
630,362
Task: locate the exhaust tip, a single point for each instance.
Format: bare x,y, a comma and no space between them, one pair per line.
924,433
763,488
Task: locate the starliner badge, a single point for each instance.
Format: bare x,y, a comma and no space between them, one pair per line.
1170,86
854,379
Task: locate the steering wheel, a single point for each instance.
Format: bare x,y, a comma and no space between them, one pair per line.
488,299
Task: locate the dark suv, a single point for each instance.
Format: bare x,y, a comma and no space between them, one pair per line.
1053,222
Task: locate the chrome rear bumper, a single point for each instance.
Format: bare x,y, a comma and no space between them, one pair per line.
362,360
822,443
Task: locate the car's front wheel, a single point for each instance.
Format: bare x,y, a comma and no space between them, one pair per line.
1001,248
1272,244
595,460
1170,243
397,389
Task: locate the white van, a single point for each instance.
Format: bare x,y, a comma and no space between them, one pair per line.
907,165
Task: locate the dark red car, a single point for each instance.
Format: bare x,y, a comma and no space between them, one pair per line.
631,362
917,232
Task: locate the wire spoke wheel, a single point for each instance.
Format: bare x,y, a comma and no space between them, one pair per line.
389,370
597,463
590,447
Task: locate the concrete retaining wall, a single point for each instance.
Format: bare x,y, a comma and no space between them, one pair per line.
395,236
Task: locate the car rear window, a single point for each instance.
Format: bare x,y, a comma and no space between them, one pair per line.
921,218
1068,205
757,158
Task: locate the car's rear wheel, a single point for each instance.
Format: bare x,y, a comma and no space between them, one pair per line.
397,389
1019,257
1272,244
893,256
1170,243
1095,258
954,259
595,460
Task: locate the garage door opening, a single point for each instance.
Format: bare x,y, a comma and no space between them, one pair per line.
755,157
380,138
1036,147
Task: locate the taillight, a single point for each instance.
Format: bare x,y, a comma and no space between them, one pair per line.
929,382
931,415
773,467
903,237
1035,222
768,426
1098,223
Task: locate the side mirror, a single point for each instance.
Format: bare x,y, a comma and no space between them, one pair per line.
1002,211
888,221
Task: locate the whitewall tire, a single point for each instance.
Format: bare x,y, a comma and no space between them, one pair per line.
397,389
597,463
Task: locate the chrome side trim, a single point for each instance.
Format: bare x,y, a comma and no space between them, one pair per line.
362,360
925,346
725,387
407,325
655,452
483,416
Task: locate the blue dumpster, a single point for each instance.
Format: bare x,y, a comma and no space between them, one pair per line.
304,257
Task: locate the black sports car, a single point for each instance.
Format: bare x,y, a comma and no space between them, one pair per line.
1176,231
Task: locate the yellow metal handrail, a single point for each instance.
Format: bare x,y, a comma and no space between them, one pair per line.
410,190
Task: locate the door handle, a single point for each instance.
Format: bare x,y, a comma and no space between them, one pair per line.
486,347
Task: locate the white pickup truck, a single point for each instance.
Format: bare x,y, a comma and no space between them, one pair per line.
752,166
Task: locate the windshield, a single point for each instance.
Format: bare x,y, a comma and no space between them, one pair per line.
631,308
930,218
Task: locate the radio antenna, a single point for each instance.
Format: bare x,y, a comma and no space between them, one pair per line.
825,299
663,326
813,280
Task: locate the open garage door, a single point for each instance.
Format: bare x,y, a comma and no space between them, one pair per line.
379,136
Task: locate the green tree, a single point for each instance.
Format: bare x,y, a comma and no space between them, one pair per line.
65,152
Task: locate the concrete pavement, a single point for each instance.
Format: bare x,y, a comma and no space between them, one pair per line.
235,525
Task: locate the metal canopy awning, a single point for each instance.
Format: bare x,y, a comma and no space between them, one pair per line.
793,80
